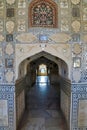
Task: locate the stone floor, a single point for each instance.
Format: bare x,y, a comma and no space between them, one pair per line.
43,112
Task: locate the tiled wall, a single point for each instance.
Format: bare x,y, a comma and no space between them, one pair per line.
79,102
72,29
7,99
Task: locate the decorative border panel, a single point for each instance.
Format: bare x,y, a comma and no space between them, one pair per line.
7,93
79,92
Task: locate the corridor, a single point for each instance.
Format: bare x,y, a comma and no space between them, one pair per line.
43,108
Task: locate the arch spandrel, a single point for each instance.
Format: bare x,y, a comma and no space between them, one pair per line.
23,52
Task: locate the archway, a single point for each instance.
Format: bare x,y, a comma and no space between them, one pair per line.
27,77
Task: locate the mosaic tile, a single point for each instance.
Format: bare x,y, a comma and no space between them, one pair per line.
76,26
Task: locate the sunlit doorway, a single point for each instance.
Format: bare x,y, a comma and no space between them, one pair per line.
42,75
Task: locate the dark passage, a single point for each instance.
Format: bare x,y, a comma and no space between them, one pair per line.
43,108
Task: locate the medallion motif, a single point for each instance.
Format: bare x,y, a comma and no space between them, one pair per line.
76,26
77,48
10,26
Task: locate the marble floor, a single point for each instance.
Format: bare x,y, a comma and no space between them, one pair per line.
43,111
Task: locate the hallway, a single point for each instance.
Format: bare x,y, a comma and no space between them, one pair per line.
43,111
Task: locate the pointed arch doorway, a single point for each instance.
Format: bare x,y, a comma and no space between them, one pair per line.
27,77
